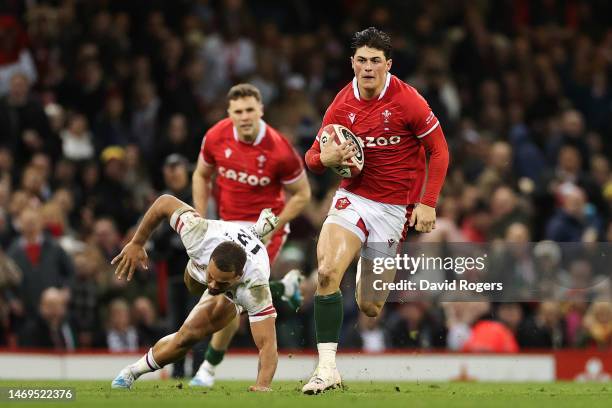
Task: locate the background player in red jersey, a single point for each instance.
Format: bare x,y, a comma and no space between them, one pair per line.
255,166
396,127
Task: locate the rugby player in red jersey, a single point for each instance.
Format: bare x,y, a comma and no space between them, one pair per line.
397,128
255,167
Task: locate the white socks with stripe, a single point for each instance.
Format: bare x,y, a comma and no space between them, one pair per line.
146,364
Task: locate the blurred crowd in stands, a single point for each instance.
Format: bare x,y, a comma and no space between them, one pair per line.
103,105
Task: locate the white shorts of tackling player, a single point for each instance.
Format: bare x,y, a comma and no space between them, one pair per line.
378,225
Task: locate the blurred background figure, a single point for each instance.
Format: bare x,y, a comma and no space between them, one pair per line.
367,335
85,296
41,259
25,127
145,319
545,329
10,307
15,56
49,328
415,325
597,326
120,335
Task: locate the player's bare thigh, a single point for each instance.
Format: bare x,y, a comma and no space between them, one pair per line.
212,313
223,336
336,249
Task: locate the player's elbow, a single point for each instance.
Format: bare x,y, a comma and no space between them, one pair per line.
164,204
165,198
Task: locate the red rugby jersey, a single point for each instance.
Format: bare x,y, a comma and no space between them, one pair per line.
250,176
390,127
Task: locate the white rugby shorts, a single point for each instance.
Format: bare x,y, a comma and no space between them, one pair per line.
378,225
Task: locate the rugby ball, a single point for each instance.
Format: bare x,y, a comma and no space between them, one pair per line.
338,134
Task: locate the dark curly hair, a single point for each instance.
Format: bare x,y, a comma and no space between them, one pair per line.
373,38
229,257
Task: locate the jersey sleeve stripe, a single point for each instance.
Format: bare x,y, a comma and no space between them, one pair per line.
178,224
296,178
429,131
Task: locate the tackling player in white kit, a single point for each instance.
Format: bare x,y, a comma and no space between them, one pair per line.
229,264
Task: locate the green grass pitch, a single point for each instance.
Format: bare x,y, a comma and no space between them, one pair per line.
176,394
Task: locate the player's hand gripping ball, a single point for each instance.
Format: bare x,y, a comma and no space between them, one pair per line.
335,137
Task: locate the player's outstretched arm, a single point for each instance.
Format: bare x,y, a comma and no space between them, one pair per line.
134,254
424,214
264,336
200,185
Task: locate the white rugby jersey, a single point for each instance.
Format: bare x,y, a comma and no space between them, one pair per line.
252,293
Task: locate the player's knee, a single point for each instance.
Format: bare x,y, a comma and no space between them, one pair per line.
370,309
327,276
